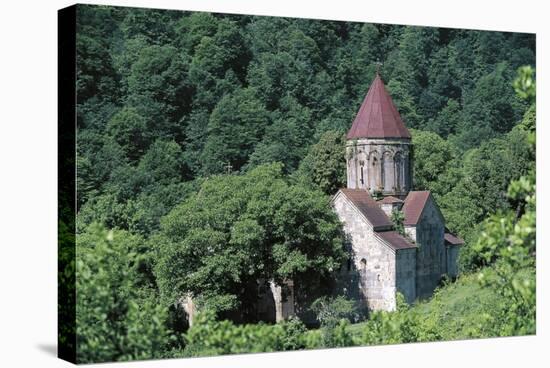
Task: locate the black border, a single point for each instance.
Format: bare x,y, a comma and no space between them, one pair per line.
66,190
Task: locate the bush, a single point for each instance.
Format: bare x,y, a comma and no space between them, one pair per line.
117,314
335,315
330,311
337,336
508,242
211,337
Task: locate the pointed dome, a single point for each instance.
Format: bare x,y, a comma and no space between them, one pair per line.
378,117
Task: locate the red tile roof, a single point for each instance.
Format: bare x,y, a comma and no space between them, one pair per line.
378,117
368,207
452,239
390,199
414,205
395,240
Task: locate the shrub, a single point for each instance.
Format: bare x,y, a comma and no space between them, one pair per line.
117,316
330,311
211,337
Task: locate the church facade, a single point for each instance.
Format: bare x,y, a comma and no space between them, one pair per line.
383,261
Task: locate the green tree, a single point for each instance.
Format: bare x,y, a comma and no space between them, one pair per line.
294,69
485,175
447,120
158,88
508,242
235,126
355,63
96,76
324,165
491,109
405,103
191,28
155,25
129,129
407,71
433,157
287,139
117,317
215,58
162,164
97,157
136,197
524,84
239,229
442,82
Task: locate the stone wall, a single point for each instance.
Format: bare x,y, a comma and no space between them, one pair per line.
378,277
410,231
452,260
431,254
405,278
372,261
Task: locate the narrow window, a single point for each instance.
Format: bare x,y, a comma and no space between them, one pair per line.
363,265
398,174
373,171
362,179
388,174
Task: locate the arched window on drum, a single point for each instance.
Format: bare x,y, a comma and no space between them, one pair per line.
388,172
374,171
399,173
362,170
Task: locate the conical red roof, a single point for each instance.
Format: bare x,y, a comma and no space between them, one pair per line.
378,117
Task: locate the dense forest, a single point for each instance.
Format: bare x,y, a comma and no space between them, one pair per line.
208,146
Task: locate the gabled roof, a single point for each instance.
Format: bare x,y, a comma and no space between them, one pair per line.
390,200
414,205
451,239
362,200
395,240
378,116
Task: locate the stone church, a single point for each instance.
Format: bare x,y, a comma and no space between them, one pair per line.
382,261
379,180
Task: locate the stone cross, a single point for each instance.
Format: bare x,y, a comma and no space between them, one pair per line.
378,64
228,167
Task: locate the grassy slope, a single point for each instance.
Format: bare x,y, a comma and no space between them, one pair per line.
459,309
